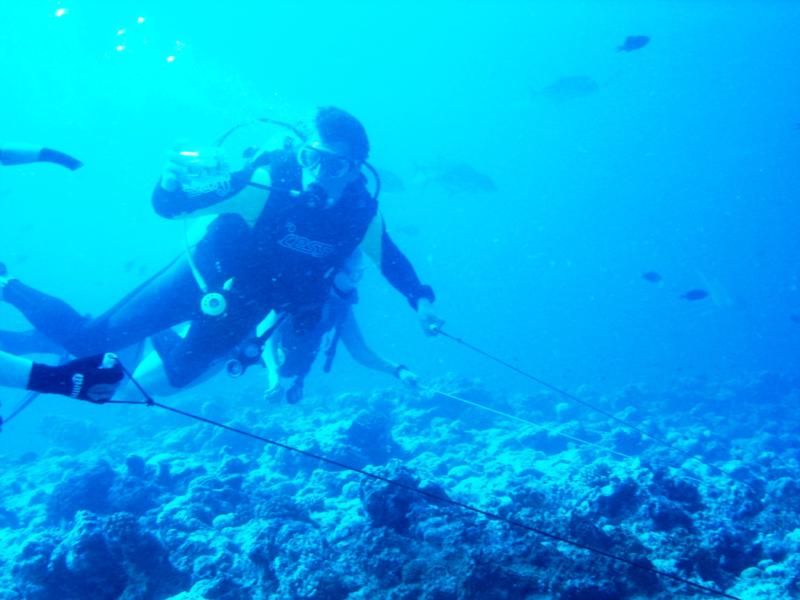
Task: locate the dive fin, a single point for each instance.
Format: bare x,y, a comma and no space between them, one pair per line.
20,154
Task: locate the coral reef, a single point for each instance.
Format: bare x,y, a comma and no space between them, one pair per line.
184,511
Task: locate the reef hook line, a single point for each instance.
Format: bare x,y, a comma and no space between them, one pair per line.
589,405
637,564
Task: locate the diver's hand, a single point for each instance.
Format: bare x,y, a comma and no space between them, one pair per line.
176,171
428,319
406,376
94,378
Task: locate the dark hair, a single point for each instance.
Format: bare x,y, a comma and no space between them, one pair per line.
335,125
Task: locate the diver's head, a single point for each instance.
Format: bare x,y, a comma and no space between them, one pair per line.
333,154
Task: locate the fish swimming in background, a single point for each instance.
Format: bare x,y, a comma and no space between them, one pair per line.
408,230
652,277
390,182
571,88
719,293
455,177
696,294
634,42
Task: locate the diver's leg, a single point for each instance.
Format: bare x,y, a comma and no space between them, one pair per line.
31,341
166,299
208,340
298,343
52,316
300,339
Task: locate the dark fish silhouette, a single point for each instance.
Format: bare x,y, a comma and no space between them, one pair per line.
633,42
693,295
455,178
390,182
651,276
571,88
409,230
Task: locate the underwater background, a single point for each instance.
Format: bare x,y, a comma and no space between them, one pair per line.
533,173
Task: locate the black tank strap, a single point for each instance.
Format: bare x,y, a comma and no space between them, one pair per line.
330,353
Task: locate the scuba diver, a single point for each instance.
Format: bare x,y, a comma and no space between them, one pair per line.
292,349
280,259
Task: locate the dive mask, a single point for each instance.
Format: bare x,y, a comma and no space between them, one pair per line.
312,156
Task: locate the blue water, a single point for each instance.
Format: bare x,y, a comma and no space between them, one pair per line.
683,161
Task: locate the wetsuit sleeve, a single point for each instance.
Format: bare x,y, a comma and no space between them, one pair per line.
177,202
394,265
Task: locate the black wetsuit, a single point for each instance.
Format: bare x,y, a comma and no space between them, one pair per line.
300,342
283,263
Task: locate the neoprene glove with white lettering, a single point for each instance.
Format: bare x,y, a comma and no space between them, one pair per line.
94,378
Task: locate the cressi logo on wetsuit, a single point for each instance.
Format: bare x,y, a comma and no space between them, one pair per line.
301,243
298,243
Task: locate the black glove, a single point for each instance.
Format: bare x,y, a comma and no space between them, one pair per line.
94,378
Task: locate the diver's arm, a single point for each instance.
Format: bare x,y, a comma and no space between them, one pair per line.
397,269
14,370
170,200
394,265
353,340
94,378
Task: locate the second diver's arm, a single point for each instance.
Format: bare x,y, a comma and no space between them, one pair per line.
354,341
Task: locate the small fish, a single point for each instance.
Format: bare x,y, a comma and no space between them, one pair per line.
652,277
391,182
409,230
571,88
795,318
633,42
693,295
455,178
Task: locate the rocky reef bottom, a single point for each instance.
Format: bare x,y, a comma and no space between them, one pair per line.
165,507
